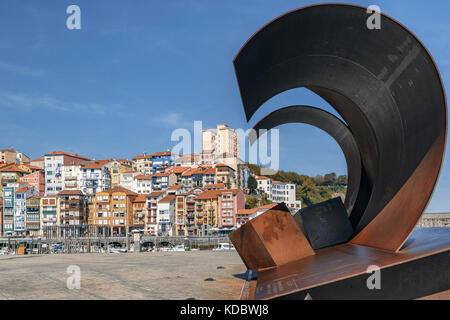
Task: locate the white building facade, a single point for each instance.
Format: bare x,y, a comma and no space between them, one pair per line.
53,166
166,215
279,192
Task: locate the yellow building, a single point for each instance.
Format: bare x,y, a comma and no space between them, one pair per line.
112,211
10,173
180,215
139,212
206,211
226,175
116,168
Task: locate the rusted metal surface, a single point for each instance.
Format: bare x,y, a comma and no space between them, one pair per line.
346,261
403,212
271,239
251,248
387,89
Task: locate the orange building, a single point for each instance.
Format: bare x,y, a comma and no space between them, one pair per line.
216,210
139,212
112,211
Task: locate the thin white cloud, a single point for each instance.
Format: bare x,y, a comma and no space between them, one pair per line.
173,119
28,102
22,70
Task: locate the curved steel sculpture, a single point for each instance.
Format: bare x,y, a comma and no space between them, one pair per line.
386,87
328,123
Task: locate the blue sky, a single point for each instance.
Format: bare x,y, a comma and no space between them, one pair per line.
137,70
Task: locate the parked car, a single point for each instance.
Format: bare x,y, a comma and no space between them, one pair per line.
165,248
224,246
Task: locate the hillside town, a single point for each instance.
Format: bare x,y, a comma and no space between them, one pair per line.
164,194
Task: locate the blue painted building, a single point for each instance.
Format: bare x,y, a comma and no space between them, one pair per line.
8,211
160,159
20,208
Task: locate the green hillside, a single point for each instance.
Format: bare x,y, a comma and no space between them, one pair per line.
310,190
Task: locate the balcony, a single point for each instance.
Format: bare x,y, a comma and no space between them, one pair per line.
6,180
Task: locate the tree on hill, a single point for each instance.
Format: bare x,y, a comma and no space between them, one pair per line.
251,203
265,200
252,184
310,190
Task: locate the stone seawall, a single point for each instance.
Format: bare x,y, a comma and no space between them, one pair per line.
435,220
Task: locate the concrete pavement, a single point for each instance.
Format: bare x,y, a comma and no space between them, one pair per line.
153,275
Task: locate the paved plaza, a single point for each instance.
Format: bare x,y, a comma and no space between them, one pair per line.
153,275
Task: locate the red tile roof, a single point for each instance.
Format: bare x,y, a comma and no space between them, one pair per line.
32,167
212,194
22,190
143,177
71,192
155,194
214,186
222,165
209,171
141,198
262,178
175,187
143,156
247,211
61,153
168,198
268,206
120,189
188,173
200,170
254,210
163,153
96,164
161,174
3,165
178,169
12,168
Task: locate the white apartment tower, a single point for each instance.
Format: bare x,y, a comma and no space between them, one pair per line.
223,144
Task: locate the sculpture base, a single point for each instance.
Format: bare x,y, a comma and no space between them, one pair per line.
420,269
